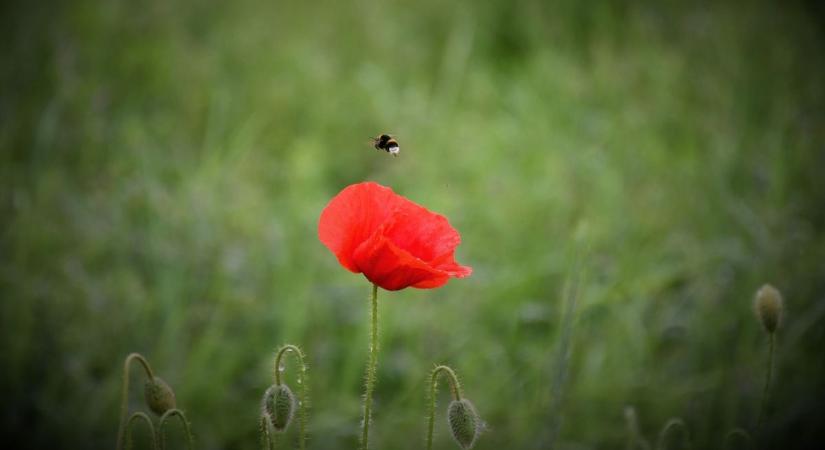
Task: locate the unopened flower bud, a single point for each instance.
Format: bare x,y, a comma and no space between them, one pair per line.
159,395
464,422
279,406
768,307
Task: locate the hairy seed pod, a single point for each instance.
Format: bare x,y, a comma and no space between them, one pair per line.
768,307
279,406
464,422
159,395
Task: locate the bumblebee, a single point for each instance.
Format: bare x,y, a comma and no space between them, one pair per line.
387,143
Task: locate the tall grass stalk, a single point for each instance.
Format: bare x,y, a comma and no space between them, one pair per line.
570,294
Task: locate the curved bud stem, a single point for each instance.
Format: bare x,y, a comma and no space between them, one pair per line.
737,432
661,443
369,384
184,422
140,416
124,396
455,388
302,387
278,356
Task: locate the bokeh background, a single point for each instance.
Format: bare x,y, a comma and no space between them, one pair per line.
163,165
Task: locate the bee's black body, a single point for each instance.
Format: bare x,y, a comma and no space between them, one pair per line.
387,143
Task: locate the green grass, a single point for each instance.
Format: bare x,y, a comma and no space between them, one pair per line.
163,165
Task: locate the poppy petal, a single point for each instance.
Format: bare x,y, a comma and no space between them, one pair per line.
354,215
393,241
392,268
424,234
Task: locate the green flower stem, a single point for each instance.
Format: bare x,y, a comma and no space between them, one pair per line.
266,436
302,390
455,388
765,391
140,416
371,365
124,396
179,414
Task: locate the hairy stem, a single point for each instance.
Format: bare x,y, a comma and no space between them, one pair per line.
140,416
455,388
163,419
266,436
766,390
302,390
371,365
124,396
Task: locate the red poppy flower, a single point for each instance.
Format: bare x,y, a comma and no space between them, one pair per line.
394,242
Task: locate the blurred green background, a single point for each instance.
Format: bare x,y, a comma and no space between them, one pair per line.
164,164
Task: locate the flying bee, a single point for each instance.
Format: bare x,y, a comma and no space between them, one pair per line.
387,143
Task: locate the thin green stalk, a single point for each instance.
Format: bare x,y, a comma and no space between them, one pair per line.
178,413
371,365
148,421
455,388
571,294
266,436
766,390
269,440
302,391
124,396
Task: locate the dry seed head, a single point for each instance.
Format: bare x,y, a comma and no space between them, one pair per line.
464,422
279,406
159,395
768,307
